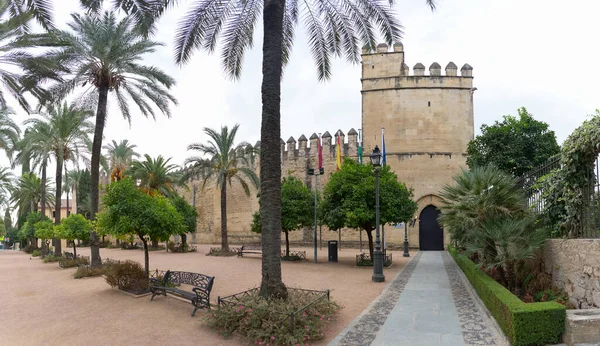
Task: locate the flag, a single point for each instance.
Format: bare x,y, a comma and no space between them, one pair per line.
383,160
319,152
359,148
338,153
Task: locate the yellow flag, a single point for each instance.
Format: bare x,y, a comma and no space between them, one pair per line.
338,153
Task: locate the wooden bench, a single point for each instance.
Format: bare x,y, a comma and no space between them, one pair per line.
171,282
255,249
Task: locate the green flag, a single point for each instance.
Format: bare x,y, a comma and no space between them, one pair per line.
359,148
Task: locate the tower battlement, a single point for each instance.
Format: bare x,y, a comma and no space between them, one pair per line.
386,69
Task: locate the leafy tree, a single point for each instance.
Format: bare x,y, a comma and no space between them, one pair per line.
349,199
68,134
45,230
297,209
155,176
188,213
516,145
120,155
104,52
488,217
224,166
81,185
28,192
36,147
9,131
334,29
128,210
74,227
27,231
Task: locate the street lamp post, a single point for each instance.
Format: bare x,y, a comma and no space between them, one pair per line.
311,171
377,255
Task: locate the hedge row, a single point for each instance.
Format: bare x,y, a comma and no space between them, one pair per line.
523,323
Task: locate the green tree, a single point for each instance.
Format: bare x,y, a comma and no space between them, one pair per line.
120,156
44,230
27,231
9,132
224,166
349,199
28,193
105,53
516,145
69,136
334,29
74,227
155,176
36,147
188,213
128,210
297,209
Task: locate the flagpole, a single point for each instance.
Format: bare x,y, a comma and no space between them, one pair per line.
384,161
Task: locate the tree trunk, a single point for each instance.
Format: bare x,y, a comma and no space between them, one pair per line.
271,285
146,258
224,242
370,236
67,192
95,171
154,243
43,195
183,239
287,244
57,205
74,249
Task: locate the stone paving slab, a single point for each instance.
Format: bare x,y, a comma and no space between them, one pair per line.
430,302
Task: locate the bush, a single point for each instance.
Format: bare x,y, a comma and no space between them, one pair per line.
87,271
28,249
35,253
268,322
64,262
158,248
523,323
183,248
51,258
105,244
129,246
128,276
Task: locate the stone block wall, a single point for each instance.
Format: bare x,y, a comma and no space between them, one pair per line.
575,267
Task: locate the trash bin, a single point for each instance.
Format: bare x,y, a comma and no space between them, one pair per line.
332,246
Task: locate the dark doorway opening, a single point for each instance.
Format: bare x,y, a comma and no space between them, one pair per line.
431,235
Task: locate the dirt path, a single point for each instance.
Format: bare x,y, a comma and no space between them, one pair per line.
41,304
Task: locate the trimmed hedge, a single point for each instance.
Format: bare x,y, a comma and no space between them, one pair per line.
523,323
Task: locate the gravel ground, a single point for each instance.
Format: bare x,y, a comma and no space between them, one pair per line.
41,304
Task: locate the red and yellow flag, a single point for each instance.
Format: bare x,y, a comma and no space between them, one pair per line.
338,153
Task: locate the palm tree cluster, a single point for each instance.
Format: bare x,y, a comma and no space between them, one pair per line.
101,55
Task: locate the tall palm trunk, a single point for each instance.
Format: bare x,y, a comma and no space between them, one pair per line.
43,195
224,242
57,205
272,285
68,188
95,173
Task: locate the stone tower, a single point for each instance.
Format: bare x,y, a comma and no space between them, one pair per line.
428,121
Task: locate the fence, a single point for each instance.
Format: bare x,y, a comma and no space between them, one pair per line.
589,212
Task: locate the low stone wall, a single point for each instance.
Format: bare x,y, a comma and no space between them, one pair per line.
575,267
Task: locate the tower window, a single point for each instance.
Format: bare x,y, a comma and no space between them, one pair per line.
428,103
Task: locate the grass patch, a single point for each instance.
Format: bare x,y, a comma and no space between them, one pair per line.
51,258
523,323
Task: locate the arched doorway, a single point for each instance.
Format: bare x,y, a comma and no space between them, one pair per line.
431,235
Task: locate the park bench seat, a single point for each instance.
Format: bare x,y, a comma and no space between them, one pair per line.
171,283
255,249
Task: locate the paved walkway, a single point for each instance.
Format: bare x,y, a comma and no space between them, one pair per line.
429,303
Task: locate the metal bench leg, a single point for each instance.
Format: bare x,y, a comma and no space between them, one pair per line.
195,309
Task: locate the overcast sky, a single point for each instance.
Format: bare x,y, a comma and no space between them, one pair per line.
539,54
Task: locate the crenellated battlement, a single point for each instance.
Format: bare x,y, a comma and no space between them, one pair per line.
385,69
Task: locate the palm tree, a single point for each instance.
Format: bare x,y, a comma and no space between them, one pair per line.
69,137
9,131
120,156
15,20
103,53
156,176
27,193
224,166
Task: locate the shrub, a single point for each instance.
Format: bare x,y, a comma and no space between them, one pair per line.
51,258
28,249
104,244
158,248
267,322
87,271
129,246
128,276
35,253
217,251
523,323
64,262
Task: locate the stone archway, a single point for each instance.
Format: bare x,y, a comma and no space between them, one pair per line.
431,235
